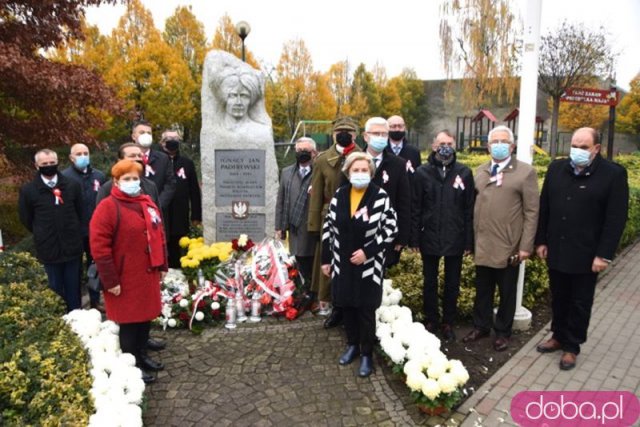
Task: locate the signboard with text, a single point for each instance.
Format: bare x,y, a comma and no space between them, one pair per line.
581,95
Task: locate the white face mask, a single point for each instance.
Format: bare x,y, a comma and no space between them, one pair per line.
131,188
360,179
145,140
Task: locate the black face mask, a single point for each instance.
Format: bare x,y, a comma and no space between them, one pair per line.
343,138
303,156
397,135
50,170
172,145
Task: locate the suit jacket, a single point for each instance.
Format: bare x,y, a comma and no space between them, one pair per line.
55,226
300,243
505,216
582,216
90,183
186,205
410,154
160,170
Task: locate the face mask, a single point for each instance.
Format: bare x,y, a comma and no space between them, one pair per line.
397,135
130,188
50,170
81,162
360,179
172,144
444,152
343,138
378,143
145,140
580,157
500,151
303,156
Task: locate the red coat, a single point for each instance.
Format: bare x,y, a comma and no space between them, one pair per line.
124,258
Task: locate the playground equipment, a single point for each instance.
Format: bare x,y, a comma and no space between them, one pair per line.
540,133
478,128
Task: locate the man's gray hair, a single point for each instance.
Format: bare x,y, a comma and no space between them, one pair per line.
501,128
44,151
376,121
354,157
309,140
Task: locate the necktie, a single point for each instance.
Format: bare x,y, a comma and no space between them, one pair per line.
396,150
304,171
51,184
494,170
145,159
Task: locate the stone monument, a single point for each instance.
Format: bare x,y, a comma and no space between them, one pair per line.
239,168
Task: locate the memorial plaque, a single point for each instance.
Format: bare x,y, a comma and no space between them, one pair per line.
240,175
229,228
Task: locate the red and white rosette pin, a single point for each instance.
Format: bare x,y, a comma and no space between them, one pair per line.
58,195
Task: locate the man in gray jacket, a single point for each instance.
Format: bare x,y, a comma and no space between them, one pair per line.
504,223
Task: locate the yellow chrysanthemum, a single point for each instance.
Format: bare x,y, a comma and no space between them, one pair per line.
184,242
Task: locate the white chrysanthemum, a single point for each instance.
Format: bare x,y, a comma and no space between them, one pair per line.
172,323
387,315
437,368
183,302
447,383
199,316
130,416
386,301
430,388
382,330
110,326
460,374
415,380
404,314
215,305
387,284
127,359
400,325
397,354
404,336
387,343
394,297
411,366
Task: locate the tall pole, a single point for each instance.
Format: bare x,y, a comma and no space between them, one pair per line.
243,29
527,123
612,121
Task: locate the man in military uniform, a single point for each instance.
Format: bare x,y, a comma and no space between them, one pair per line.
325,180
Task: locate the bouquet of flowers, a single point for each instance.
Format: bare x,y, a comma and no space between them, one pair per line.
435,381
203,257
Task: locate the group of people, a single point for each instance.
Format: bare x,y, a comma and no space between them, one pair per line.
349,213
128,226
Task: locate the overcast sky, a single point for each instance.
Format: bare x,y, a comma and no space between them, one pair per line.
397,34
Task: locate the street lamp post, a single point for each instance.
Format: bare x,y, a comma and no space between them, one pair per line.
243,29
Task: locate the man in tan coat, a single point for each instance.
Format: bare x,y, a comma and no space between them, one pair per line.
325,180
505,221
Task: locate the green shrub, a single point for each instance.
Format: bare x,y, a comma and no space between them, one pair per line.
44,378
407,276
12,229
21,267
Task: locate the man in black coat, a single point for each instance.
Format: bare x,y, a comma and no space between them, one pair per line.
399,146
50,207
442,226
90,181
186,206
157,166
583,211
391,174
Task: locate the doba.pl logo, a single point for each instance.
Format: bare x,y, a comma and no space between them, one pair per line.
573,408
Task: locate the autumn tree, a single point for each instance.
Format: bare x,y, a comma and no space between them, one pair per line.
364,99
571,55
46,102
479,42
339,79
628,112
185,34
413,100
226,38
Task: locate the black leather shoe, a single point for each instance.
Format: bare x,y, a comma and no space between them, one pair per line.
155,345
501,344
366,366
349,355
447,332
149,364
334,319
475,335
148,378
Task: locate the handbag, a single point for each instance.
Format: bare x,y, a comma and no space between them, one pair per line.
93,281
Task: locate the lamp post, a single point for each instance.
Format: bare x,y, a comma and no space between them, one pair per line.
243,29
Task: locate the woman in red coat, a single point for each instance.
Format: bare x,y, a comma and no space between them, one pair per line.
128,246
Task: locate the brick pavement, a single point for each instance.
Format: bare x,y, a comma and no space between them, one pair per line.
609,360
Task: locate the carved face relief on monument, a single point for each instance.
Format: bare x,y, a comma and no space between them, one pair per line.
238,99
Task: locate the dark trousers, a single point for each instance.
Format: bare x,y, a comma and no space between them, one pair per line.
571,301
134,337
486,280
64,279
360,325
452,269
174,251
305,268
94,297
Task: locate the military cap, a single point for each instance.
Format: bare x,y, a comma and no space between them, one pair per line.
345,123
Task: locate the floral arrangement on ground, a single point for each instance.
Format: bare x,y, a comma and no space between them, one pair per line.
436,383
225,281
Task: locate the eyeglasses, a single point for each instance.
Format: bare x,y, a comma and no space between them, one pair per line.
500,141
383,134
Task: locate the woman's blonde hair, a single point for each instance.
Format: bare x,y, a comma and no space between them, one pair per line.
354,157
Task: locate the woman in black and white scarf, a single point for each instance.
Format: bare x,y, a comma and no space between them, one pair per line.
359,224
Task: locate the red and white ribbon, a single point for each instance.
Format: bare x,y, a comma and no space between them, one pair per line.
58,194
181,174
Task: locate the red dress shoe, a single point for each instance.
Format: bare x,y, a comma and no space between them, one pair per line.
549,346
501,344
568,361
475,335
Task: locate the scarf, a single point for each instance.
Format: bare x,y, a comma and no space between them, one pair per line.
153,222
